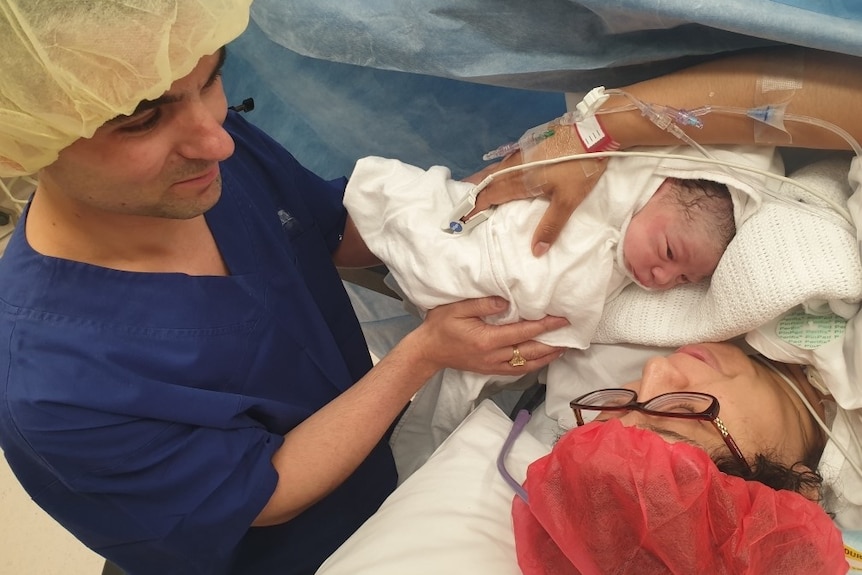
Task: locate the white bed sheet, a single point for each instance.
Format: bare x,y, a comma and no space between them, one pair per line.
453,515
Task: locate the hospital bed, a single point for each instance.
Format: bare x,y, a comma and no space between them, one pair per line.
440,83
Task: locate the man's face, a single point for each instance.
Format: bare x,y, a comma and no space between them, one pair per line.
160,161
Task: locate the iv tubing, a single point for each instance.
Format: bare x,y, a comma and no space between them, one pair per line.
841,210
521,421
669,119
857,149
855,465
664,116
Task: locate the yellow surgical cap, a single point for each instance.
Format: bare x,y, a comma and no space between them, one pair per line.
68,66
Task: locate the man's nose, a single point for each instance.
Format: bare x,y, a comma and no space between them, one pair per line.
205,138
660,376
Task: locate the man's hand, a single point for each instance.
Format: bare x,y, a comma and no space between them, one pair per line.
456,336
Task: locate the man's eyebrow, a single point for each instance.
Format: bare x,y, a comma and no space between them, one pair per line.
147,105
222,56
171,99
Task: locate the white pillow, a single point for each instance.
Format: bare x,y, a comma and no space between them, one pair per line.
453,515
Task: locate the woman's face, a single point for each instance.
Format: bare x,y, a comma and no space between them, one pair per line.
761,412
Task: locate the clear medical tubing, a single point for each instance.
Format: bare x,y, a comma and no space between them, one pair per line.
671,119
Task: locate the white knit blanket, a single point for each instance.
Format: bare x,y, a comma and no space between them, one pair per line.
782,256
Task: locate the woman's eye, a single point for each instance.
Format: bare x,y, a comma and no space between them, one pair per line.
680,407
609,414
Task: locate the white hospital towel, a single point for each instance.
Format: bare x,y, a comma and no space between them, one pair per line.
400,211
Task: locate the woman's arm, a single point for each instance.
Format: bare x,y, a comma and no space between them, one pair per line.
829,88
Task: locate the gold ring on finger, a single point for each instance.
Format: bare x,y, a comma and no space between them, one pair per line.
517,359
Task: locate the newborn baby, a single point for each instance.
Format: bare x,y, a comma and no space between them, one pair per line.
644,222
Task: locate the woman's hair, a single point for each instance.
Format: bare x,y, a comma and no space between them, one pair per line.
766,469
800,477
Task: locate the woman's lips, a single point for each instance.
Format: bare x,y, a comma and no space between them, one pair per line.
700,353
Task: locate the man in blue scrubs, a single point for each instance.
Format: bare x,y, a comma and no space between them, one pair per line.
184,384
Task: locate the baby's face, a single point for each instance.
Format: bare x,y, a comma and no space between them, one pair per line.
663,249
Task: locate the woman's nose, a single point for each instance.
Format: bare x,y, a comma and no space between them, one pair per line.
660,376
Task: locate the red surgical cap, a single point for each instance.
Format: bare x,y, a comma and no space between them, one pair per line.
614,499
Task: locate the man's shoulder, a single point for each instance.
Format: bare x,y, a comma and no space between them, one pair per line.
23,270
257,157
251,139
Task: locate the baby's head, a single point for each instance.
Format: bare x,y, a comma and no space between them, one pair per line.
680,234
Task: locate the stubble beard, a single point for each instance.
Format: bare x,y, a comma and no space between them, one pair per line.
188,208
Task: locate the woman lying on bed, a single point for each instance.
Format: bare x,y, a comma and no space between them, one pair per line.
760,429
777,438
648,497
612,498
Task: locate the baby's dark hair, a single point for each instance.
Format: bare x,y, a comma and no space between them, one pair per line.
697,197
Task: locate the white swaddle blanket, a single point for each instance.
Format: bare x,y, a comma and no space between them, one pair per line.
781,256
399,210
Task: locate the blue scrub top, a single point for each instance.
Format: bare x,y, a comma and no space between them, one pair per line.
141,410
